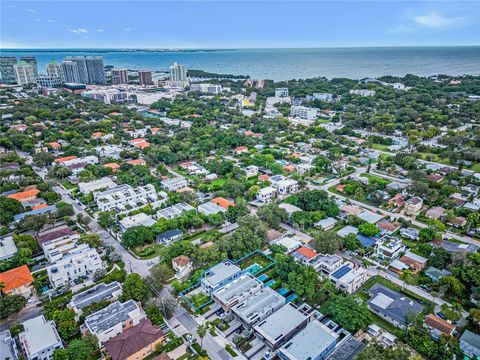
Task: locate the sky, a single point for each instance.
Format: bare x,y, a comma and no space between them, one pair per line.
237,24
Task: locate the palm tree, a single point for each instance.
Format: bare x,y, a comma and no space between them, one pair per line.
202,331
407,277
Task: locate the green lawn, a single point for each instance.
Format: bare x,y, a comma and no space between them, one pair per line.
150,252
475,167
218,182
373,179
380,147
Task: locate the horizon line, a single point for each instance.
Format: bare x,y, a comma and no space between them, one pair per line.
232,48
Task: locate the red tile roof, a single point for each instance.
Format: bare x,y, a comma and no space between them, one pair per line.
132,340
437,323
223,202
307,252
15,278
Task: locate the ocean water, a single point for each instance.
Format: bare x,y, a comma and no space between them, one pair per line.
285,64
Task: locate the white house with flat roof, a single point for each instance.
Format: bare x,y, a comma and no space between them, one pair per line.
389,247
124,198
220,275
316,341
236,291
39,339
8,247
136,220
96,294
175,183
266,194
95,185
81,261
258,306
349,278
281,326
210,208
173,211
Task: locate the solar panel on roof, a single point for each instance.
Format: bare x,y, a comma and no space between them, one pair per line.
345,269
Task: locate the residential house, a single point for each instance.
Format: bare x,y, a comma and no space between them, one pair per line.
173,211
325,264
140,219
183,266
220,275
392,306
98,293
280,326
413,206
389,247
79,262
236,291
289,241
39,339
96,185
437,326
410,233
210,208
315,341
435,212
168,237
136,342
388,228
251,170
111,321
470,344
436,274
326,224
124,198
349,278
8,247
17,281
175,183
266,195
305,255
224,203
8,346
396,201
415,262
24,196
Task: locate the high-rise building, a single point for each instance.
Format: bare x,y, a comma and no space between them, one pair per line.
24,73
54,69
70,73
7,72
90,69
178,76
95,70
145,77
32,61
119,76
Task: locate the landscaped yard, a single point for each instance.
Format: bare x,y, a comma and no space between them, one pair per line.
149,251
257,258
373,179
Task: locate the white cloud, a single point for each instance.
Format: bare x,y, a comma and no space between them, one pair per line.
51,21
38,20
79,31
434,20
30,10
100,30
127,29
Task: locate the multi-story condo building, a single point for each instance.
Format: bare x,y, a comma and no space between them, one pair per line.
303,112
284,185
109,96
39,339
206,88
90,69
281,92
119,76
178,76
54,69
70,72
389,247
80,261
362,92
24,73
32,61
125,198
113,320
323,96
57,243
46,81
236,291
145,77
7,72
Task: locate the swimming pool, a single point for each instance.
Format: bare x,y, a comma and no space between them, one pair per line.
270,283
291,298
283,291
263,277
254,269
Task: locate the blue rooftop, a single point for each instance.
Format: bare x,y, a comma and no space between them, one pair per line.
340,272
366,241
34,212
